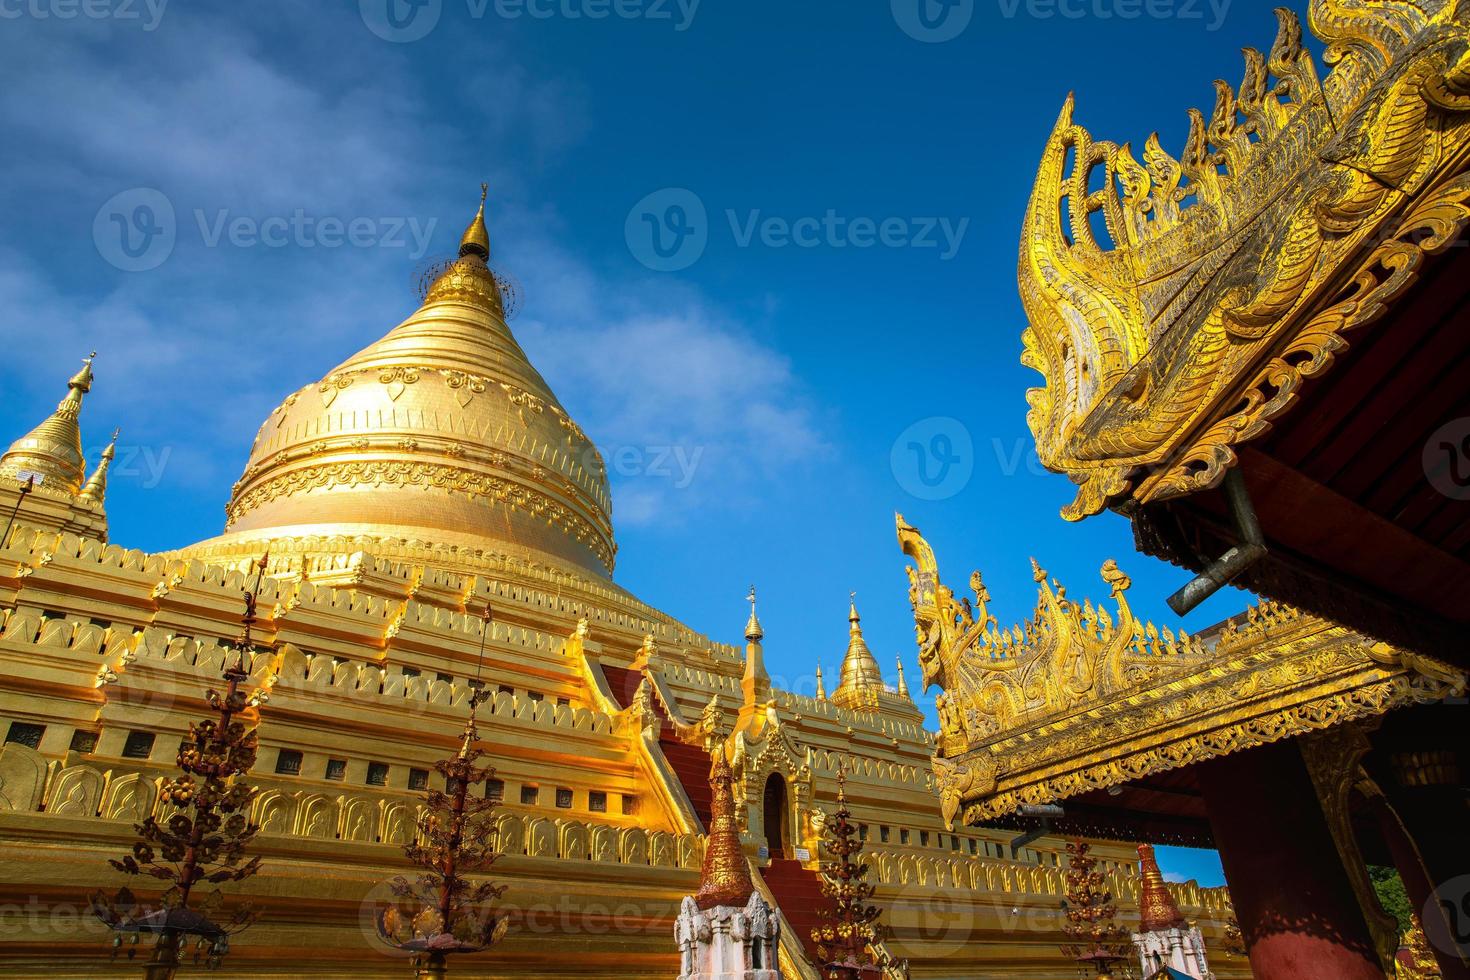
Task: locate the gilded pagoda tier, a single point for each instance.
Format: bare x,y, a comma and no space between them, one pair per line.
442,432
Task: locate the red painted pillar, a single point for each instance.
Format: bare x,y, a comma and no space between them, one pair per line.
1428,797
1406,858
1292,897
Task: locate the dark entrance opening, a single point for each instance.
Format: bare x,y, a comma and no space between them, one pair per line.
775,815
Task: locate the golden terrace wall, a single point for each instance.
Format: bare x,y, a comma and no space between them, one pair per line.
100,640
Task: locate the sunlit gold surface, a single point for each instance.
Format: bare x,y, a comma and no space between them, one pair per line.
1076,699
861,679
441,432
1297,211
53,449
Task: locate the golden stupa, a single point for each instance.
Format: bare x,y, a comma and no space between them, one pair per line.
446,406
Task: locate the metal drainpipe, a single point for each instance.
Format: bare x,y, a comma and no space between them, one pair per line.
1252,548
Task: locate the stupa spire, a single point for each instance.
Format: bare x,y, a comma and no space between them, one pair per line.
821,687
1157,910
724,879
755,683
903,685
861,678
53,449
753,631
476,237
96,488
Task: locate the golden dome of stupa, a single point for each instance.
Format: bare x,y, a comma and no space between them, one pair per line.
440,434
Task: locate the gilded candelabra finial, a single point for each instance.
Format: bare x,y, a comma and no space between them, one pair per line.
1094,938
850,932
205,838
442,911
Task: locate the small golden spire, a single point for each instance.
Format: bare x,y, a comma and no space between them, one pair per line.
476,238
753,631
821,688
96,488
724,880
861,680
53,449
903,685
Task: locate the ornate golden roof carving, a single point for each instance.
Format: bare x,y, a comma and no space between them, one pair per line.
1078,699
1182,303
440,432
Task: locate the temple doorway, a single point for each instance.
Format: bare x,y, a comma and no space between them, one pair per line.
775,815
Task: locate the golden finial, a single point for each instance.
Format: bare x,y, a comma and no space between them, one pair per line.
852,613
821,688
82,380
753,631
903,685
476,238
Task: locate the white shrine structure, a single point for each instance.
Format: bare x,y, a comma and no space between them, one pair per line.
726,931
1169,947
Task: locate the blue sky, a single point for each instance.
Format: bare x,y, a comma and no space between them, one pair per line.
748,390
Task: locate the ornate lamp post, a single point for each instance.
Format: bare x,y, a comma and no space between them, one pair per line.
25,490
205,838
441,911
1096,941
846,940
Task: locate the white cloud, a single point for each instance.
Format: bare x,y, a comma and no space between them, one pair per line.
232,114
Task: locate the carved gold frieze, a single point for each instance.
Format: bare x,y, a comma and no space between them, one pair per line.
1078,699
1176,305
453,479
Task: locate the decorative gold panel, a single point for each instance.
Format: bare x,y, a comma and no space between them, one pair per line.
1078,699
1176,305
